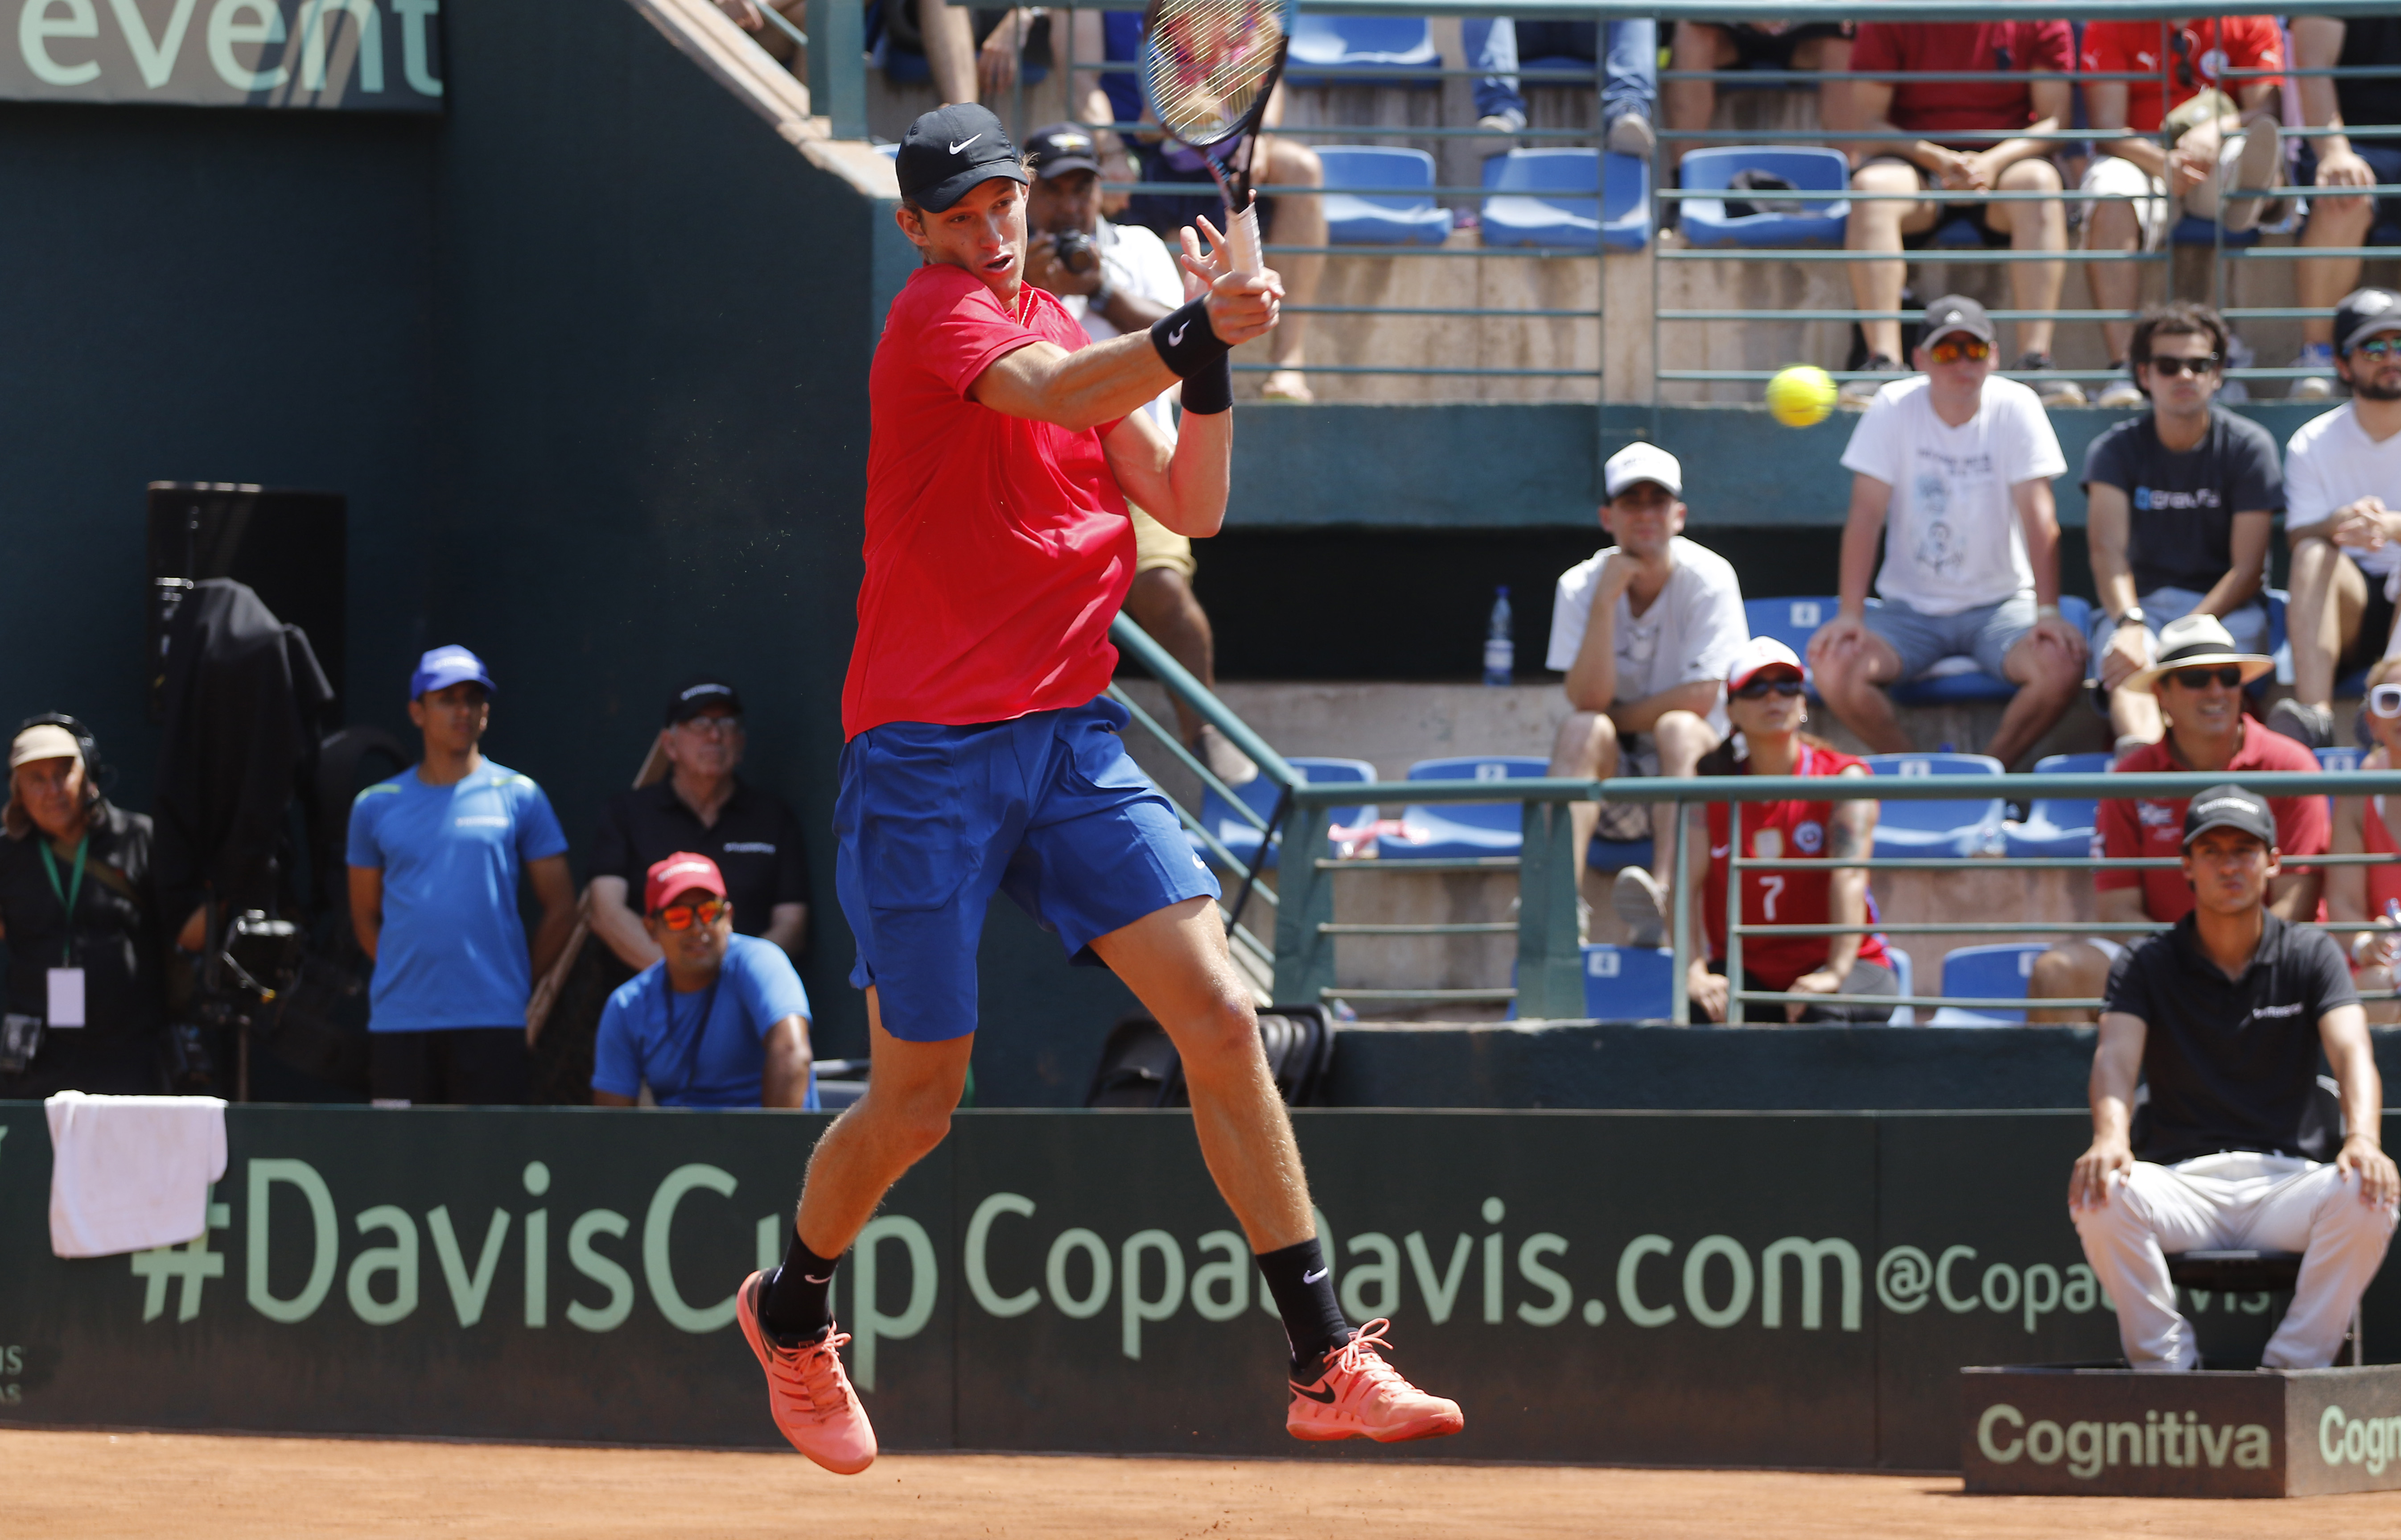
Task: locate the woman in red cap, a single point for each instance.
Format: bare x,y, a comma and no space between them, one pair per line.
1763,702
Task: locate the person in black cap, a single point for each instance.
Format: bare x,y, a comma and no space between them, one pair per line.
2342,517
984,757
2224,1016
702,806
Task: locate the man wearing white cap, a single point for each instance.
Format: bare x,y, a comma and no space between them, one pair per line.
1645,632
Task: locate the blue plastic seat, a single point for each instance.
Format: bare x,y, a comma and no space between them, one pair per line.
1545,198
1910,827
1790,621
2058,826
1629,984
2340,760
1903,1015
1987,973
1403,44
1235,832
1953,681
1819,223
1457,830
1380,219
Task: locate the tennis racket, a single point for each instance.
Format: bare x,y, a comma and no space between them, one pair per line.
1208,68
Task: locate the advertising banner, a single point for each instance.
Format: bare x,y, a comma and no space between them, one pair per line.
1749,1289
357,55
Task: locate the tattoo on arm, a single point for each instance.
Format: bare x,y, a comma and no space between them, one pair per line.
1850,837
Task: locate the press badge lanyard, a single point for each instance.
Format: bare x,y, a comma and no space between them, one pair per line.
68,894
700,1028
65,981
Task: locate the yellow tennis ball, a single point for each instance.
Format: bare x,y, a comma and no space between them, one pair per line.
1801,395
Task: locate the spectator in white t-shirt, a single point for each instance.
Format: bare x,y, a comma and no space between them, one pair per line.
1645,632
1116,279
1953,465
2345,531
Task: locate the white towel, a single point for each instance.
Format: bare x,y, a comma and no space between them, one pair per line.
130,1172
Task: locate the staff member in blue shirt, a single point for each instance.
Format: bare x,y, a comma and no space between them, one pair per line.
721,1020
436,853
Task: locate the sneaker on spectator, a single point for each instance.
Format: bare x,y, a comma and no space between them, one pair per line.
1856,393
1631,135
2311,726
2120,392
2054,392
1642,904
2259,165
1510,122
2315,355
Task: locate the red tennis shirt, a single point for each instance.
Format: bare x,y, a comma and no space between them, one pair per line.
2154,826
998,548
1934,108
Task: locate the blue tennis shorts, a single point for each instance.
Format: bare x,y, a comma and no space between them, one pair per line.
1048,808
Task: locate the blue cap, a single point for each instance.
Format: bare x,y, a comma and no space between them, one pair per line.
445,666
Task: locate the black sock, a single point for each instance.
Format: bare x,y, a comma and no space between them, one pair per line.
793,1304
1303,1287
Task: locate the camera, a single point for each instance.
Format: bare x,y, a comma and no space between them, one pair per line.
1074,250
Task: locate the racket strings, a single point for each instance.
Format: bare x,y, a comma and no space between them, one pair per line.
1209,62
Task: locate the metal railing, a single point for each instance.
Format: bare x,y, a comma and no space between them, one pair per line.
1300,965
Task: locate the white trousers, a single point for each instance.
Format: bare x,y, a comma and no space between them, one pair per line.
2234,1202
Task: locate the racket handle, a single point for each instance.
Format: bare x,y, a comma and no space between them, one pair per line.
1242,239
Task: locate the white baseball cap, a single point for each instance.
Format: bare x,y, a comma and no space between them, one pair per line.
1757,653
1642,462
43,741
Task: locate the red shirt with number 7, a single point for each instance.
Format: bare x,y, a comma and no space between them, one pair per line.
1781,829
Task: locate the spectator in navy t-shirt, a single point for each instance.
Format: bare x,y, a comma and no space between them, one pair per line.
435,854
721,1020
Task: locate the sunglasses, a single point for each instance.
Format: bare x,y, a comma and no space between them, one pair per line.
2379,347
1760,689
2385,701
2228,675
682,917
2170,367
1951,350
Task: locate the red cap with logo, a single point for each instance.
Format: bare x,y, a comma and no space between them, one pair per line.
680,874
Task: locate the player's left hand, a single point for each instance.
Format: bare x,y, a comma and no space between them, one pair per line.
1242,306
2380,1181
1819,981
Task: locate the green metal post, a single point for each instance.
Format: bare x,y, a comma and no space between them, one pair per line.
838,65
1304,960
1550,964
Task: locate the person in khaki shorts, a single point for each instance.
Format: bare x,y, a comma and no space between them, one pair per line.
1114,279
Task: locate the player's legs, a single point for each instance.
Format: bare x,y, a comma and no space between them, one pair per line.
2319,1214
913,1088
1683,738
2039,225
1878,225
2328,596
1851,679
2048,676
1689,104
2152,1211
1585,749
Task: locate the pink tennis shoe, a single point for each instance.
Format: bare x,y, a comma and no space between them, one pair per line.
1359,1395
808,1392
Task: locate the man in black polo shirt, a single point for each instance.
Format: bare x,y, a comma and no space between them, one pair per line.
702,806
2224,1016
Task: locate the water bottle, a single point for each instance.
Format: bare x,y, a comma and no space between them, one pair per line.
1499,649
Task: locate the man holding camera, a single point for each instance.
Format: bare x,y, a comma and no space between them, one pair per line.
1116,279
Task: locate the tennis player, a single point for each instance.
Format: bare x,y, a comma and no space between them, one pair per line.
984,755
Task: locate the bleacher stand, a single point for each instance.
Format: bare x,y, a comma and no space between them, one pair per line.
1746,216
1713,46
2058,826
1236,833
1988,972
1381,219
1545,198
1457,830
1913,826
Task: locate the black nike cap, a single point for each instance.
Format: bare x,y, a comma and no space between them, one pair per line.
2230,806
951,149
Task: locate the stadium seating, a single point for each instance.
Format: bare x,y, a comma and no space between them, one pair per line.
1919,828
1380,219
1403,44
1235,832
2058,826
1545,198
1906,972
1987,973
2340,759
1629,984
1790,621
1957,681
1456,830
1819,222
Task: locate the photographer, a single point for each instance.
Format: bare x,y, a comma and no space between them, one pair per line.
79,914
1116,279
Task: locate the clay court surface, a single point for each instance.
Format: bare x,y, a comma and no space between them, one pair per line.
194,1488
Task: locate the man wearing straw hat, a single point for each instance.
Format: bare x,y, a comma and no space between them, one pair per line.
2198,681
